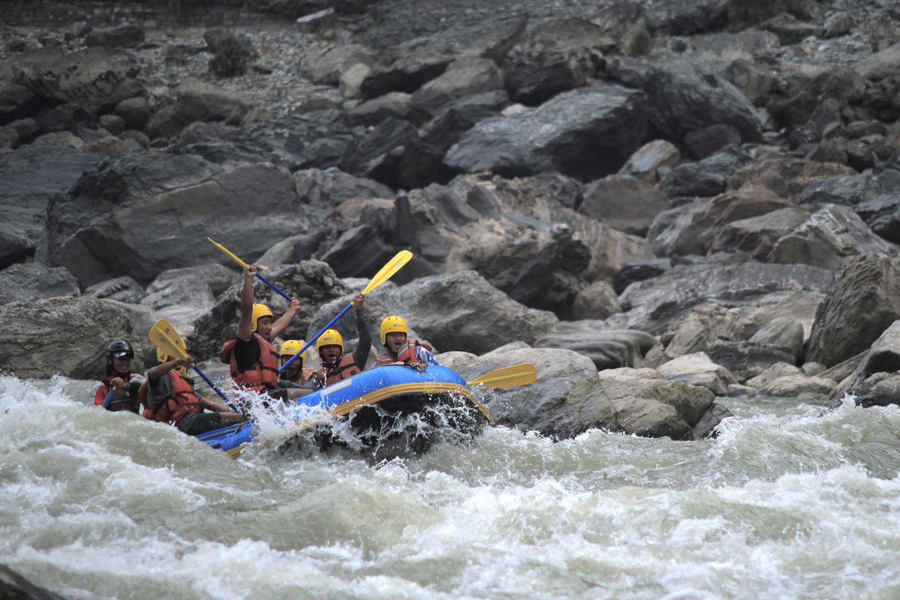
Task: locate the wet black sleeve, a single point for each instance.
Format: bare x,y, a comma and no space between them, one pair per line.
246,354
365,340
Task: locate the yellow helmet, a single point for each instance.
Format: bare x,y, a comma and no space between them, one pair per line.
331,337
260,311
392,325
292,347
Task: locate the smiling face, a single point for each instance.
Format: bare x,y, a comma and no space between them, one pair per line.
330,353
264,327
395,341
293,369
122,364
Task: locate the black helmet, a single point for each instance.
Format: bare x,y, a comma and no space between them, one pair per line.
119,348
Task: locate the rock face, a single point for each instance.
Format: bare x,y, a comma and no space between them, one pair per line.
443,309
569,397
466,77
607,348
99,229
683,99
184,295
66,336
863,302
624,203
586,133
122,289
31,177
24,283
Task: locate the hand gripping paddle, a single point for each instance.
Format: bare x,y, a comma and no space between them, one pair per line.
386,272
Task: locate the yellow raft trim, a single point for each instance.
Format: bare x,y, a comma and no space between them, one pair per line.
421,387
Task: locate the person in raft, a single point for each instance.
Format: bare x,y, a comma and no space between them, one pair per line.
295,376
119,378
170,398
336,366
253,359
398,350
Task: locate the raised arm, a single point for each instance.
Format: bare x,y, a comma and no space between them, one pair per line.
243,330
361,355
160,371
285,320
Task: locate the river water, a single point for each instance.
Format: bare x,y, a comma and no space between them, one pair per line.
790,501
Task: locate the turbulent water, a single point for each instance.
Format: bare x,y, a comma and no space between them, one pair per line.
789,502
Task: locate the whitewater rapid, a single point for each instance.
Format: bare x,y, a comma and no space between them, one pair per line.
791,501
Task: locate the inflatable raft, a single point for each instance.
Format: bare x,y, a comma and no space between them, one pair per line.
374,401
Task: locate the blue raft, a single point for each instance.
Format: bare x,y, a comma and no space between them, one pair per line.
394,390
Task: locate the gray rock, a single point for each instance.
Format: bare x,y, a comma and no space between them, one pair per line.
597,301
791,386
439,309
31,176
61,138
135,111
789,30
757,236
198,101
94,229
706,141
184,295
122,289
830,239
326,68
564,35
774,372
837,25
94,78
700,328
126,36
607,348
462,78
536,81
783,332
746,360
13,585
754,81
16,102
837,87
650,158
329,188
67,336
698,370
881,64
24,283
586,133
395,105
682,98
624,203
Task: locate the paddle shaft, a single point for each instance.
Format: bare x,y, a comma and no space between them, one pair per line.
215,389
108,398
313,339
274,287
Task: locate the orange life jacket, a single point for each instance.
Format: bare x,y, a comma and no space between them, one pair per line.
406,354
262,375
122,400
345,369
181,401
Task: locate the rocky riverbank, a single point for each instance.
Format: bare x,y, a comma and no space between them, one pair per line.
660,204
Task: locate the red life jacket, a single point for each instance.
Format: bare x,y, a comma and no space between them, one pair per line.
181,401
406,354
345,369
121,400
262,375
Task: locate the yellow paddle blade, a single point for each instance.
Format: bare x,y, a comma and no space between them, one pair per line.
164,337
229,253
388,270
524,374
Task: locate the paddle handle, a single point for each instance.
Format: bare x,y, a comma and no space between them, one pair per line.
215,389
313,339
108,398
274,287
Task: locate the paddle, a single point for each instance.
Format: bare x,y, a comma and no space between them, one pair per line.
164,336
108,399
386,272
246,266
524,374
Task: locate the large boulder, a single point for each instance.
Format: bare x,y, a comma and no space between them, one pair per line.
125,36
607,348
184,295
585,133
24,283
881,64
746,360
757,236
698,370
198,101
96,228
829,239
647,161
95,78
122,289
326,67
67,336
569,397
329,188
455,311
465,77
623,202
653,305
31,177
683,98
863,302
